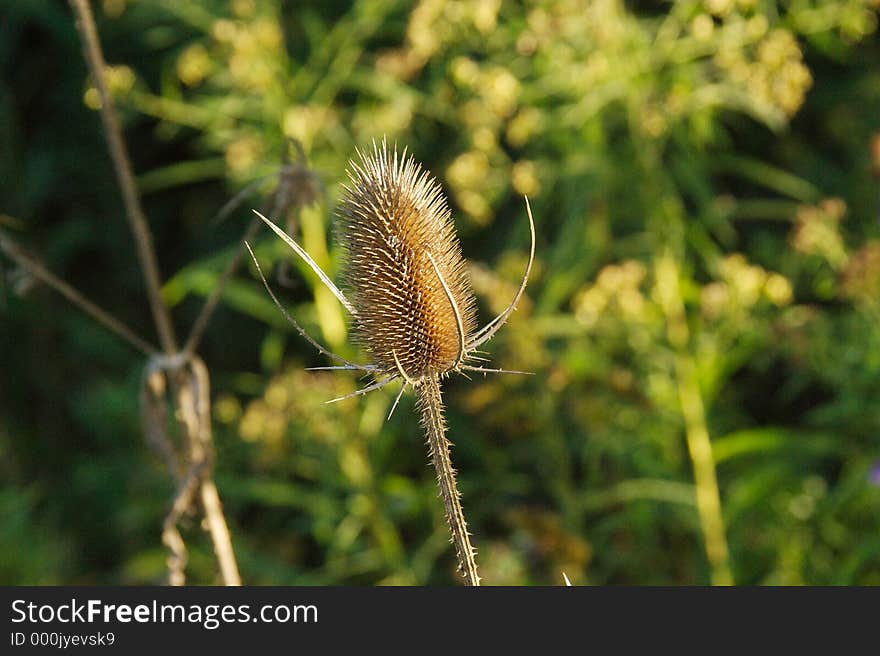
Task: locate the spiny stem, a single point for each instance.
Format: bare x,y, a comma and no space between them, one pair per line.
430,404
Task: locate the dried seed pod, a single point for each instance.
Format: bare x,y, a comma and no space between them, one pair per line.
414,309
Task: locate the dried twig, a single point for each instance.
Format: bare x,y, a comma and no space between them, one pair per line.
277,205
122,165
171,537
154,418
207,312
39,271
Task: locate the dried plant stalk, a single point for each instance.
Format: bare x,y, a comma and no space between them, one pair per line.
193,405
134,211
37,269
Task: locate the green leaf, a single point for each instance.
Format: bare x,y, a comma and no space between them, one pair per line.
771,439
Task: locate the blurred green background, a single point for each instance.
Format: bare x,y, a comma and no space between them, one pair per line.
703,320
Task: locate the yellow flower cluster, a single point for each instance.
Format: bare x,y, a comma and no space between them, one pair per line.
243,153
119,79
290,400
249,49
617,292
741,286
860,278
817,231
194,65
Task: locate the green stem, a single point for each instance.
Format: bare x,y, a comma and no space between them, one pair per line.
696,429
430,404
703,462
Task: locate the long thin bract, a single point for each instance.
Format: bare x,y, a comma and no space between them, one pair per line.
299,250
488,331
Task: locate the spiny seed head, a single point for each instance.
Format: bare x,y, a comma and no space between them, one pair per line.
403,268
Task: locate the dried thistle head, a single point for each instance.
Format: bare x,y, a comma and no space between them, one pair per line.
404,270
411,303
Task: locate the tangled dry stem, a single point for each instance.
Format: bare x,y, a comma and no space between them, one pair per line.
186,373
192,465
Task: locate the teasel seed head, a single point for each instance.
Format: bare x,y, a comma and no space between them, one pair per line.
412,308
403,269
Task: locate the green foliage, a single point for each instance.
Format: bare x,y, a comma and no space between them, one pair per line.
704,179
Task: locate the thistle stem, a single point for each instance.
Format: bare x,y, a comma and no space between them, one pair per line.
430,404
